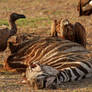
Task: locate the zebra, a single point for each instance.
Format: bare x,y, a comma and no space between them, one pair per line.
50,51
68,59
44,76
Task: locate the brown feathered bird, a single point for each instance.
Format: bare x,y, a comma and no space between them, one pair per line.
84,7
66,30
6,33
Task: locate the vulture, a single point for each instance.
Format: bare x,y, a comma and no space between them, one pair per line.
68,31
6,33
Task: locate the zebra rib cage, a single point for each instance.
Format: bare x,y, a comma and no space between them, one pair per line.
64,60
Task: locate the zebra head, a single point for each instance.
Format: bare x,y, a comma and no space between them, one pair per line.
33,71
42,75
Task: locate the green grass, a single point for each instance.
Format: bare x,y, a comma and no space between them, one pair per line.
4,22
3,0
2,90
58,12
30,22
34,22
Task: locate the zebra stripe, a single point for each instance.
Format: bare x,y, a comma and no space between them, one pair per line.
76,71
50,51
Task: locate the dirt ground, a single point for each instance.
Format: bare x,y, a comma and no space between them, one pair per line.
39,14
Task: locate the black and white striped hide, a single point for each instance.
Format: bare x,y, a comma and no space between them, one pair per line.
48,77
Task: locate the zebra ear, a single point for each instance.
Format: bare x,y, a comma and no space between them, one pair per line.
53,28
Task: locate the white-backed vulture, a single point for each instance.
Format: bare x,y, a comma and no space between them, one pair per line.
66,30
7,33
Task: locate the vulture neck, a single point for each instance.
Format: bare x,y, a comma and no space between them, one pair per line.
13,30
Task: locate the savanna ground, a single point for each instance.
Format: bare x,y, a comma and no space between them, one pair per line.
39,14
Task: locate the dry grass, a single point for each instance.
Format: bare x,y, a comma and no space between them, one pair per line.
39,14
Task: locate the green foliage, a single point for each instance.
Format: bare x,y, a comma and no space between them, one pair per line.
4,22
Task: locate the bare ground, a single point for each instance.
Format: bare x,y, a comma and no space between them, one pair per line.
42,11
